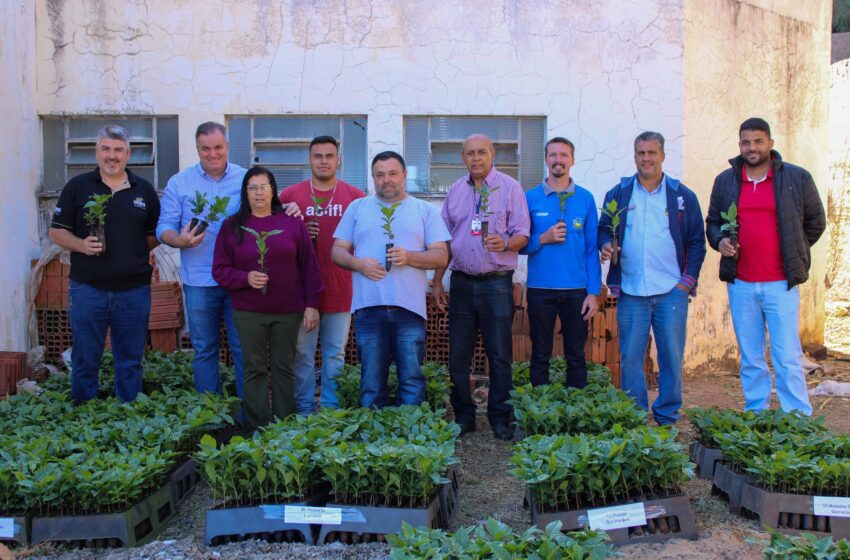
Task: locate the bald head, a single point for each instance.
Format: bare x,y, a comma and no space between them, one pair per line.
477,153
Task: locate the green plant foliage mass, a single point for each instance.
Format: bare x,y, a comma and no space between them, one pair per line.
396,456
494,539
805,547
101,456
567,472
710,422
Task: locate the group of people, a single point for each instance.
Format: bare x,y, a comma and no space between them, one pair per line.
289,268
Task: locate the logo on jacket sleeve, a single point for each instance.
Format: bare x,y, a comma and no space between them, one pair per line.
140,203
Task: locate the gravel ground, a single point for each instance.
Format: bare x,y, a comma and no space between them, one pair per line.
488,490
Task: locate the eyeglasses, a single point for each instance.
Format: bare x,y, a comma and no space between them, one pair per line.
258,188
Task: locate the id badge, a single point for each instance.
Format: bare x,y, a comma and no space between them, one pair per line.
475,226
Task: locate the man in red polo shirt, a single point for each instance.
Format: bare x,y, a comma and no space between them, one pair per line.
780,216
323,199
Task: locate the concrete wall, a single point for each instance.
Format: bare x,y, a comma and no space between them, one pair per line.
744,58
838,271
20,161
617,71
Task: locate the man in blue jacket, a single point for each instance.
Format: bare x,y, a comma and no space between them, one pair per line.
564,276
661,246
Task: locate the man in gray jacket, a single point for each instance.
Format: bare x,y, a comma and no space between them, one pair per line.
763,217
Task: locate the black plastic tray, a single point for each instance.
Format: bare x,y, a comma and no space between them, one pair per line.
449,498
667,518
705,458
242,523
132,527
371,523
730,485
791,513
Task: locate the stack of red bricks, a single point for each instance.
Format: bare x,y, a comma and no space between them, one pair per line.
53,292
13,368
166,315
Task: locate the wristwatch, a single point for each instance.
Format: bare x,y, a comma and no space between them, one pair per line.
507,244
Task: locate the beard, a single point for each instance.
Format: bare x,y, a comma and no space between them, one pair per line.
759,158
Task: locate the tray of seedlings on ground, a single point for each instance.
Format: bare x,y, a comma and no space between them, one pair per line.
627,481
556,409
494,539
596,373
437,385
805,547
374,468
98,474
796,481
708,422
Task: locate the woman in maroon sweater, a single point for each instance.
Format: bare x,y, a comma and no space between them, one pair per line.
272,296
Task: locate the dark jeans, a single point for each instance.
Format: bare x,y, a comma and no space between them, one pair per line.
486,305
386,333
126,313
543,306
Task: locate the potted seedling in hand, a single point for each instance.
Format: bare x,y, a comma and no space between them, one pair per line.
313,225
217,210
388,212
611,211
563,197
96,217
199,204
730,219
484,208
262,249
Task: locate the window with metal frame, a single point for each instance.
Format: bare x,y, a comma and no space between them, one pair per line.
282,144
432,146
69,147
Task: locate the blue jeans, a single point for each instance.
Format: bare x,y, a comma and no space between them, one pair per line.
333,332
487,305
543,306
667,315
754,306
126,313
206,306
386,333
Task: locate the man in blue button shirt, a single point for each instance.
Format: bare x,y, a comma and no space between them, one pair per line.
206,302
662,245
564,275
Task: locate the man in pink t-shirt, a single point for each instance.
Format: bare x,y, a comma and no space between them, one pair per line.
323,199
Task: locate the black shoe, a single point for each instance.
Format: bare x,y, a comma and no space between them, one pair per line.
503,432
466,428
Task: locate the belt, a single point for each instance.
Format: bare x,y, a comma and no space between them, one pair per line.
486,276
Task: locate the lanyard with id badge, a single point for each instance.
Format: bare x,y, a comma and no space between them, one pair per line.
475,225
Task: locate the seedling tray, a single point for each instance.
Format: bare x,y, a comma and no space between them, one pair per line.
186,476
791,513
242,523
20,531
449,498
729,485
667,518
706,459
372,523
132,527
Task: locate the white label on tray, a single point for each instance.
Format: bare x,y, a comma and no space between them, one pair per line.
617,517
307,514
7,527
832,506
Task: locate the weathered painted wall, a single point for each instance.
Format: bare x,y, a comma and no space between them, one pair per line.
744,58
20,161
600,71
838,272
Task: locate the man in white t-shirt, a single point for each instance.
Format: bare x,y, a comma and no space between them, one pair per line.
389,240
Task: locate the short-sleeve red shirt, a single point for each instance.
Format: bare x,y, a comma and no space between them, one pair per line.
338,291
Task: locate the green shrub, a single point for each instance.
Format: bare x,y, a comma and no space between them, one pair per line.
805,547
494,539
713,421
565,472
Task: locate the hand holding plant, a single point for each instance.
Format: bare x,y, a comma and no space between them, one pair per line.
199,204
611,211
313,225
730,219
262,250
484,208
96,218
388,212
